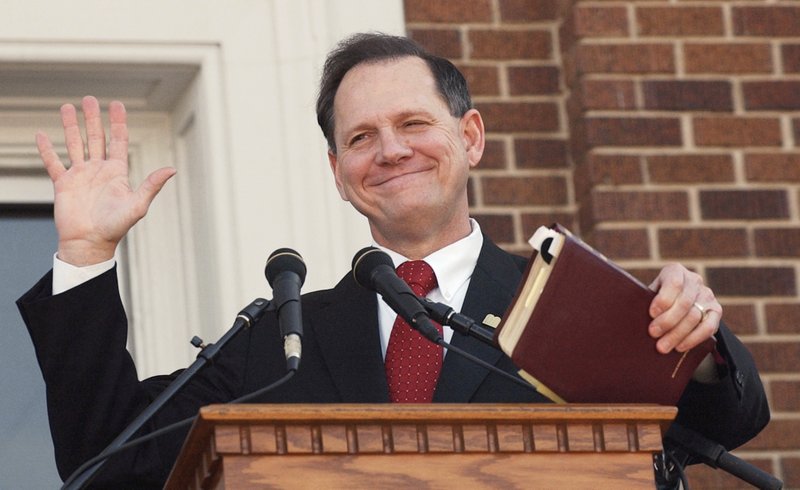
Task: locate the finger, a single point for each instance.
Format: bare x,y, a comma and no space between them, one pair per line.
118,144
49,156
678,291
151,186
681,331
95,135
72,134
707,327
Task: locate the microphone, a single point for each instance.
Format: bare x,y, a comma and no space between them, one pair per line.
373,269
286,272
462,324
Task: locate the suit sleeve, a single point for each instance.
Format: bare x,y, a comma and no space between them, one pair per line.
92,387
733,410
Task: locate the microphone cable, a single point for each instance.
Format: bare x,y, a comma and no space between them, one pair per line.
167,429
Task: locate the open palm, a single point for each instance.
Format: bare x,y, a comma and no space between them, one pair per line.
95,205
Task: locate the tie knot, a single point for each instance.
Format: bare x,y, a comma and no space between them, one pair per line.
419,275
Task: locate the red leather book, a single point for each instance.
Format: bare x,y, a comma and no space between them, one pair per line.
578,329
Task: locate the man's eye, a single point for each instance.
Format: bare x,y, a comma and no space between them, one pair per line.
359,137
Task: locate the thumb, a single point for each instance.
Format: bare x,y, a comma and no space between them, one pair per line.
152,185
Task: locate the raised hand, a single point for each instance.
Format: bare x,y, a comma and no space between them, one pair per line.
95,205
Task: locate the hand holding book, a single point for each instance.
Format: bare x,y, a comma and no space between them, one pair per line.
579,326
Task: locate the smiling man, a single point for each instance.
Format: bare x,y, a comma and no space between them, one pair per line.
401,158
402,137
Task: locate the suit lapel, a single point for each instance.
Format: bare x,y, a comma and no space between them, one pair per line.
491,289
346,329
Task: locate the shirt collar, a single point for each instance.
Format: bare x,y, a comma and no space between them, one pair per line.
452,264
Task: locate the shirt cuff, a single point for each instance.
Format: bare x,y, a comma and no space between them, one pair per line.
67,276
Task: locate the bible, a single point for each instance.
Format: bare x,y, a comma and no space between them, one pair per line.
578,329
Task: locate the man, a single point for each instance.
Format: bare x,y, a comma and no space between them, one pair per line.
402,137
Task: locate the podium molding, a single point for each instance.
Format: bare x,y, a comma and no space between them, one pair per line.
422,446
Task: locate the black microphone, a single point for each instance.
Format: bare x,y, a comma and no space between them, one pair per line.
373,269
446,315
286,273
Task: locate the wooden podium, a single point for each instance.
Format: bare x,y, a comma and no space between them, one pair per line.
422,446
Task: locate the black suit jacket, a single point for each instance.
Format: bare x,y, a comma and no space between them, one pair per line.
93,391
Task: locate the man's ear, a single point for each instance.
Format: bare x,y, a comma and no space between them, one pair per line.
334,163
474,135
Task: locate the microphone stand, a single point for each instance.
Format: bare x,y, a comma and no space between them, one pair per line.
716,456
247,317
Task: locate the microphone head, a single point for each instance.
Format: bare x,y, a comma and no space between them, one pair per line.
365,262
285,260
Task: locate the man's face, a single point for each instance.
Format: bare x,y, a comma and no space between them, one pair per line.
402,160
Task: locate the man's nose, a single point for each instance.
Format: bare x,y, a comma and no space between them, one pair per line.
393,147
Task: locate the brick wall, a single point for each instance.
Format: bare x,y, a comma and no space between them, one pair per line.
660,131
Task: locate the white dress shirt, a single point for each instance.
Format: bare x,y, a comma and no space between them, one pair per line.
453,266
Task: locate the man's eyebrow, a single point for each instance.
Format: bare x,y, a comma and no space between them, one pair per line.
398,116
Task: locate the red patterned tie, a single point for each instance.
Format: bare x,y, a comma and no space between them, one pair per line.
413,363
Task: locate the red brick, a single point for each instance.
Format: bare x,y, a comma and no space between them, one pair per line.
682,21
605,171
639,206
778,434
608,94
621,244
728,58
791,58
791,472
597,21
740,318
775,95
782,318
532,221
499,227
796,131
751,204
691,95
441,42
533,80
447,11
777,242
737,131
527,44
772,167
519,11
752,281
704,477
684,243
633,131
482,80
519,116
524,191
625,58
785,396
540,153
771,21
494,155
690,168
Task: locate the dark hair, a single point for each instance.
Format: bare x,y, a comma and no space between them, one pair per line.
373,47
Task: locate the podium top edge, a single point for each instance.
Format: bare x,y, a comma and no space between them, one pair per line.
436,411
